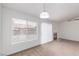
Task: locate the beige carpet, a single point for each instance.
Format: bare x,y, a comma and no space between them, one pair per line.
55,48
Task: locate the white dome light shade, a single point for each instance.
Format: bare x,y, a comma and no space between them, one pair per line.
44,15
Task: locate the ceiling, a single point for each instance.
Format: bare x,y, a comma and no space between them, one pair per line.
57,11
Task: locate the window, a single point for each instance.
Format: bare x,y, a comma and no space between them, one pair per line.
23,30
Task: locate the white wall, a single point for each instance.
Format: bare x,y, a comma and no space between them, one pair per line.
69,30
8,14
55,26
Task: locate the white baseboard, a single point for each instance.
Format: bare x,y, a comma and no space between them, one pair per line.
69,39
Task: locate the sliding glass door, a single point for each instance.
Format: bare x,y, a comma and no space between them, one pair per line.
46,32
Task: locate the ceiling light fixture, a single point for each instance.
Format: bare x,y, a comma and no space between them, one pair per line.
44,14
